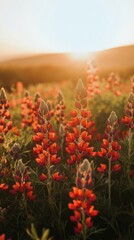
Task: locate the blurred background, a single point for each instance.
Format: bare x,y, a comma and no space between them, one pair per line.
54,40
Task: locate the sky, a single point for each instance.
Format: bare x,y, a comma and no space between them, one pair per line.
43,26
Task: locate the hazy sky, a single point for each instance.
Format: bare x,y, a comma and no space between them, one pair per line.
31,26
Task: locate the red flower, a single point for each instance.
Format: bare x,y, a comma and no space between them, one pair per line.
38,149
3,186
70,137
116,167
57,177
127,120
105,143
93,212
89,223
73,113
71,148
18,187
90,195
53,148
85,113
30,196
85,136
41,160
76,216
28,186
55,160
52,136
2,237
79,228
116,146
102,168
38,137
102,153
43,177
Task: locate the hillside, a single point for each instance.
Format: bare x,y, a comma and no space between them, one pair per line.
56,67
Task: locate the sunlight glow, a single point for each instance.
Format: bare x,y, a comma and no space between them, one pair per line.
78,55
65,26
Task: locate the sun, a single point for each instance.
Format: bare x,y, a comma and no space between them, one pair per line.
79,55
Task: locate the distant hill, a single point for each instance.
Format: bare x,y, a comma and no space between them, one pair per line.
56,67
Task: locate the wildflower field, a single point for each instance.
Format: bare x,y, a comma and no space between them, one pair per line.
67,160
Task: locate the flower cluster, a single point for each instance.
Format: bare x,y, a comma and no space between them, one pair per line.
93,82
46,148
5,123
113,84
22,184
29,109
110,147
128,119
83,197
132,89
78,134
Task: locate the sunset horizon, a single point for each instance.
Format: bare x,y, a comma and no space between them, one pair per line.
73,26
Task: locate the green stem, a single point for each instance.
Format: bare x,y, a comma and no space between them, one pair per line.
49,183
62,150
109,181
84,231
129,150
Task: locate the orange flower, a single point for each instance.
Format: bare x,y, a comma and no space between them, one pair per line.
92,212
30,196
55,160
57,177
102,168
76,216
73,113
79,228
3,186
116,167
2,237
19,187
38,149
89,223
43,177
127,120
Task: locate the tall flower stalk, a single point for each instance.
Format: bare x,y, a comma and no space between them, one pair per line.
110,151
5,123
128,120
46,149
83,197
78,133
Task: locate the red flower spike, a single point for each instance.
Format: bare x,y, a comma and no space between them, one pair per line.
82,199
